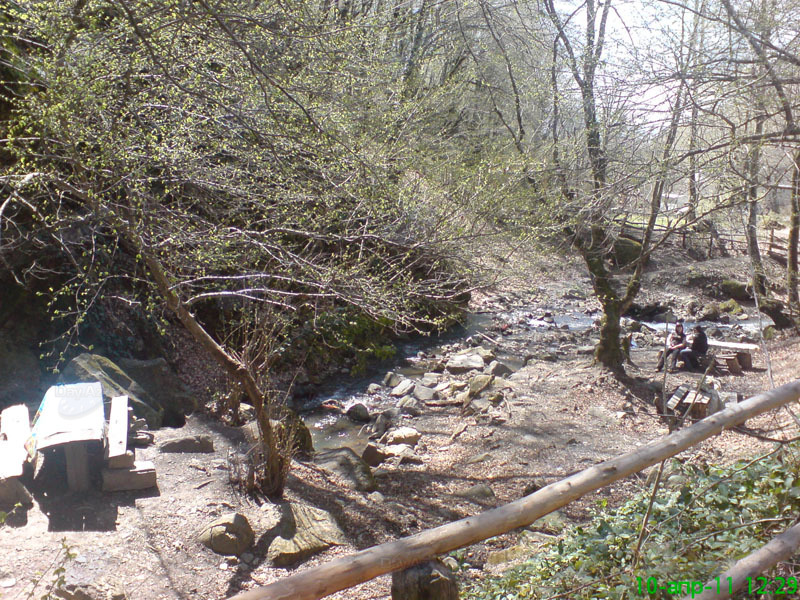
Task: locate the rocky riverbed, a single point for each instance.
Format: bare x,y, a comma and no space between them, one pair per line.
512,403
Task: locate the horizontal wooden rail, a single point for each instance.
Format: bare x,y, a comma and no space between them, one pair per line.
348,571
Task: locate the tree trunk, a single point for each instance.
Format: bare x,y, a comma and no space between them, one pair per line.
609,350
794,235
274,468
751,230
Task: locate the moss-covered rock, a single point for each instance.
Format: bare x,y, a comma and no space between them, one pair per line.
115,382
731,306
735,289
710,312
774,310
626,251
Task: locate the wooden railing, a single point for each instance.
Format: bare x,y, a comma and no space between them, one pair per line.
348,571
778,248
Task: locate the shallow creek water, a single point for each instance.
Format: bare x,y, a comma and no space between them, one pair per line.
520,327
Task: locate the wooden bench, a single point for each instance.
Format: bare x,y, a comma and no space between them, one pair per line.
117,435
15,429
742,352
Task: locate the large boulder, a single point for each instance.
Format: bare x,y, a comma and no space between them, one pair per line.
461,363
230,534
626,251
349,466
735,289
774,309
87,368
431,580
161,382
303,531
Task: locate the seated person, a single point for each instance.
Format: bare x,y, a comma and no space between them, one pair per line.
675,343
699,346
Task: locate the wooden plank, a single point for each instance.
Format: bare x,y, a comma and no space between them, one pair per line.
731,362
745,360
124,461
118,427
140,477
77,466
677,397
347,571
733,346
15,429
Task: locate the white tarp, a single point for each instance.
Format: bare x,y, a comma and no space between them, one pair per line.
69,413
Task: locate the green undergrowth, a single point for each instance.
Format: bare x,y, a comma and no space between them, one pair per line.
704,518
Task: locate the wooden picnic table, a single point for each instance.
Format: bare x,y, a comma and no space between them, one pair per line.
743,352
71,416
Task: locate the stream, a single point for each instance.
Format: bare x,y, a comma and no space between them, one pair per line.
512,334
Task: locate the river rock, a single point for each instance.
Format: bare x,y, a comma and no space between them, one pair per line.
461,363
710,312
736,290
391,379
431,580
349,466
403,388
192,443
381,425
230,534
541,355
486,354
424,393
358,413
303,531
12,492
498,369
475,406
374,388
479,491
402,435
87,368
479,383
499,557
430,379
410,406
374,454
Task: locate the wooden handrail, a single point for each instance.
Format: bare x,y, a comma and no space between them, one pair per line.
348,571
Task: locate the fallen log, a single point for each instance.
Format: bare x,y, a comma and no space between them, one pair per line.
777,549
348,571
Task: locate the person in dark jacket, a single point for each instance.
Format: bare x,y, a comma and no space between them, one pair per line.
699,346
675,343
